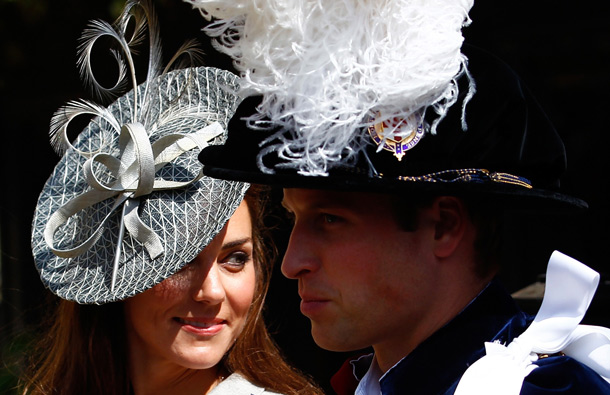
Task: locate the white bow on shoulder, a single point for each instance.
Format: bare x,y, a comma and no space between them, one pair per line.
570,287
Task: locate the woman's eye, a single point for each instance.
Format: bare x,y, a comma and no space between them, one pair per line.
236,260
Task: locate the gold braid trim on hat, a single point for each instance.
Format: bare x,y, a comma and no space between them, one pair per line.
471,175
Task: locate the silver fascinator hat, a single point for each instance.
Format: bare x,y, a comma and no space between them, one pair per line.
127,206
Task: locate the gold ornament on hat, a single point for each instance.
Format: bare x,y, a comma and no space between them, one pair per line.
396,134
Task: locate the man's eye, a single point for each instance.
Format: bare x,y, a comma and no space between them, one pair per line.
330,219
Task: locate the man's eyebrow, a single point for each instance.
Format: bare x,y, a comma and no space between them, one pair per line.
236,243
317,204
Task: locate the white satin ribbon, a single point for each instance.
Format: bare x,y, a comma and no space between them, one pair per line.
134,176
570,287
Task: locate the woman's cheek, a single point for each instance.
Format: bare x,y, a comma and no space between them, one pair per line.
175,285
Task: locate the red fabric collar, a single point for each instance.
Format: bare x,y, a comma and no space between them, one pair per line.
344,382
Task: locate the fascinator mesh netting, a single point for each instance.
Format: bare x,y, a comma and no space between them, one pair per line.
126,206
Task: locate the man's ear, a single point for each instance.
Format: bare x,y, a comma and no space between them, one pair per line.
451,221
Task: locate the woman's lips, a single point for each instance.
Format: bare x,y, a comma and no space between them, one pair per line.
201,327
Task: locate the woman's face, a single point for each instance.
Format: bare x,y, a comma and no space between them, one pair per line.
193,317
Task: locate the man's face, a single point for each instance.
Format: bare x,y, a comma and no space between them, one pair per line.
362,279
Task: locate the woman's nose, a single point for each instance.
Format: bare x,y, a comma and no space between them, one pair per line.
208,286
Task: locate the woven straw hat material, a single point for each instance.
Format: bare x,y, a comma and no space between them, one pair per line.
184,219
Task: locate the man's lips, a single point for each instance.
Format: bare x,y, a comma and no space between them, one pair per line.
309,299
312,304
310,294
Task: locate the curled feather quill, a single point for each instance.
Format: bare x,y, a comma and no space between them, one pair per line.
62,118
141,13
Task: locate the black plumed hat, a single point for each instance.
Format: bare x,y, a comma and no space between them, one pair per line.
509,150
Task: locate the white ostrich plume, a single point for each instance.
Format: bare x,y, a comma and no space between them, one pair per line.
326,67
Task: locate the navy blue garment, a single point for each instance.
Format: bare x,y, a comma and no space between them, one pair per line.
437,365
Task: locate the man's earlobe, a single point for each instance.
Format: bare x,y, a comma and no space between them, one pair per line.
451,222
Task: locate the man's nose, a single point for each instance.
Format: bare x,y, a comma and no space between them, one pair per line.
300,256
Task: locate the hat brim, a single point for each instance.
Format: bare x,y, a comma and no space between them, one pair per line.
218,163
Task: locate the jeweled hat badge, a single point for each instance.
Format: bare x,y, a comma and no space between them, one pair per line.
397,135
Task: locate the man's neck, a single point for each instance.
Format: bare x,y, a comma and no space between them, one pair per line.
392,350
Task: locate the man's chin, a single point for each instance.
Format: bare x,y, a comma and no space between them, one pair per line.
334,340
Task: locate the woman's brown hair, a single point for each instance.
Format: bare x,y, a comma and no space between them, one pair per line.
84,350
255,355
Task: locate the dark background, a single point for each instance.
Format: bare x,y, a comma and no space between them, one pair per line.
560,48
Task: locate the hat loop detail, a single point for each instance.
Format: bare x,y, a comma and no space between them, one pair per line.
134,174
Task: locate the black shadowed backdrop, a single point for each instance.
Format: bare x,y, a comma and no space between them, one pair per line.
561,50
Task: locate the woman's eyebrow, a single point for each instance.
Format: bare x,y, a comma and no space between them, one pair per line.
236,243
